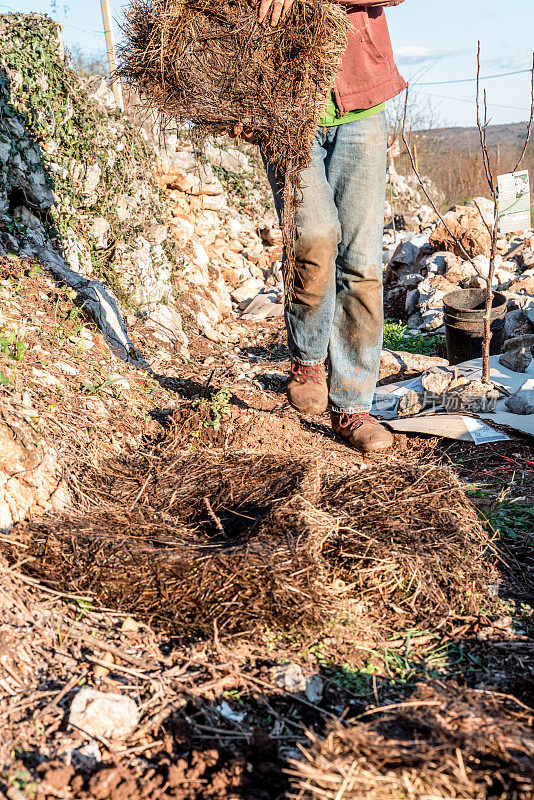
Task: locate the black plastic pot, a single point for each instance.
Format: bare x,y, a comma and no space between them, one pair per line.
464,323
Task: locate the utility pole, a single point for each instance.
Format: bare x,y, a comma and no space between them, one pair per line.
110,44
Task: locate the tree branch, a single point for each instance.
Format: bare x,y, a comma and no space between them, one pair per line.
531,119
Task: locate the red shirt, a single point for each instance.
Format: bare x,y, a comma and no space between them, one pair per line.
367,74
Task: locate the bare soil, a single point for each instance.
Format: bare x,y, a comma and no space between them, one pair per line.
214,722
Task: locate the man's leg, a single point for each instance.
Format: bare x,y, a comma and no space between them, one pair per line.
310,313
356,171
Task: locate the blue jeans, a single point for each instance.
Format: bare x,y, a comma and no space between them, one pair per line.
336,314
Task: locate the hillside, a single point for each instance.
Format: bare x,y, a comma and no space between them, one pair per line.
466,141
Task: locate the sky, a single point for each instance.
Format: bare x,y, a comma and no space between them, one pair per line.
434,42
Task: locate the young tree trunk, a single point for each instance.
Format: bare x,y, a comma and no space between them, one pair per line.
489,295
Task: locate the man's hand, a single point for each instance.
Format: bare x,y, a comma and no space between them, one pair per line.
241,129
278,10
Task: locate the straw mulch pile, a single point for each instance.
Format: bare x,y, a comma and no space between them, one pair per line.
241,540
446,742
210,62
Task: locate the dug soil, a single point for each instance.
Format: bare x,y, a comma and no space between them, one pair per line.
216,543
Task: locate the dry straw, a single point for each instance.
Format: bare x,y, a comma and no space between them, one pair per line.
211,63
245,540
443,743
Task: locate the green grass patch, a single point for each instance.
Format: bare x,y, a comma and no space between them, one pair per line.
398,337
510,519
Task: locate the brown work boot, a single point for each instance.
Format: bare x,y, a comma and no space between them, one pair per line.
306,388
362,431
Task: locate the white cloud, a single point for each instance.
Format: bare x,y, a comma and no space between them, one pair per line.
511,62
418,54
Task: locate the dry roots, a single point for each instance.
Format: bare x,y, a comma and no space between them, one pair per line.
446,742
241,540
209,62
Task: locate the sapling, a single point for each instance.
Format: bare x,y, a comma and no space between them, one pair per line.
482,125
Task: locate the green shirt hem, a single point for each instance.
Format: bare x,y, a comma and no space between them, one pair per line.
331,116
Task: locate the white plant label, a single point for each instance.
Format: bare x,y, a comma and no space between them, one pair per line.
482,433
514,201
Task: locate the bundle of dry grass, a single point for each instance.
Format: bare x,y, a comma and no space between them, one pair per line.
211,63
446,742
243,540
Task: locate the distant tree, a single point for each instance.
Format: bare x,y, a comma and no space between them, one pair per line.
89,63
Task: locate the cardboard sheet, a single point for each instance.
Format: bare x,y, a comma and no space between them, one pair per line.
458,426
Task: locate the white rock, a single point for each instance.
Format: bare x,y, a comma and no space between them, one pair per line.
437,379
411,280
105,714
529,313
97,88
31,221
289,677
517,359
425,214
432,320
504,278
181,230
206,182
118,381
185,161
206,223
218,293
92,178
214,203
45,378
233,226
30,479
314,688
226,711
124,207
522,402
512,320
157,233
246,290
143,274
231,160
200,257
99,232
87,756
485,206
438,263
67,369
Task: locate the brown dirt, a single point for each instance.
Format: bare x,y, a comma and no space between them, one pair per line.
251,773
184,747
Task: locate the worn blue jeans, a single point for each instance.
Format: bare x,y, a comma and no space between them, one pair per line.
336,313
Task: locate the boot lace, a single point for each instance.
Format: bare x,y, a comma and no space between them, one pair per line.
354,421
310,372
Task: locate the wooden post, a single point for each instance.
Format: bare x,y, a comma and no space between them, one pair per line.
110,45
416,159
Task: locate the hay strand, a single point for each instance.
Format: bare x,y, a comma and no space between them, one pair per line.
297,546
211,63
446,742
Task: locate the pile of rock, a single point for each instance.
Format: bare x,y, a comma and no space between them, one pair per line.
405,194
423,266
444,387
157,245
229,258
